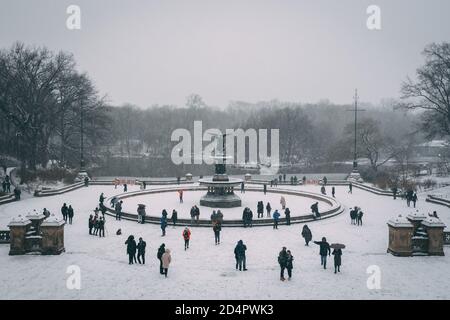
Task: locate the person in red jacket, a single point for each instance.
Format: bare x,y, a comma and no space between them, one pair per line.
186,237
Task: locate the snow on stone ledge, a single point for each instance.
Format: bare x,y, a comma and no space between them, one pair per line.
35,215
433,222
400,222
19,221
416,216
53,220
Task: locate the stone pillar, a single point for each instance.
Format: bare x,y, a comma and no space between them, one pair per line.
435,231
53,235
400,236
416,219
36,220
18,229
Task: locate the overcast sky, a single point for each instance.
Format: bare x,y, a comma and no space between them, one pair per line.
148,52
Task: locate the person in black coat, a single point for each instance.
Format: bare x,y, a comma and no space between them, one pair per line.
161,251
306,234
315,210
337,253
91,223
265,188
287,213
174,217
141,251
217,228
103,209
239,254
324,251
131,249
70,213
64,211
101,227
282,260
289,264
268,209
17,193
333,192
260,209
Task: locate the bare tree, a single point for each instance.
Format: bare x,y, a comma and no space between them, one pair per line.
431,90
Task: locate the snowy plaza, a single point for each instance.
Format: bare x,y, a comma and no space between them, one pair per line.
207,271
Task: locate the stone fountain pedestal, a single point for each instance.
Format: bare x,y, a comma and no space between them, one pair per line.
220,192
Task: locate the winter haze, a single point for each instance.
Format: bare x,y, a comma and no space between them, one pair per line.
159,52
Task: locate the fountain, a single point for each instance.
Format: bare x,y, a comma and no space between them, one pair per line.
220,187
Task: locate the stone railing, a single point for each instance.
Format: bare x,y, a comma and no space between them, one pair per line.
436,200
4,236
57,191
7,198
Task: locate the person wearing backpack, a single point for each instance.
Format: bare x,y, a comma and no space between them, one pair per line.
186,237
141,251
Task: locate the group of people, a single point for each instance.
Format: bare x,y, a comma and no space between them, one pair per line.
96,224
67,213
356,216
411,196
195,213
133,248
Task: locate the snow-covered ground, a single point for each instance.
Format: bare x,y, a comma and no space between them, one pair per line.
207,271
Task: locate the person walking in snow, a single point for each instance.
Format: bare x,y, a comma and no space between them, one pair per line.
350,188
217,228
282,261
101,227
46,213
101,198
219,216
141,251
163,224
118,209
166,260
287,213
268,209
265,188
337,253
276,218
161,251
91,223
64,212
306,234
242,187
192,212
353,215
180,195
186,237
239,254
414,199
289,264
125,187
333,192
283,202
324,251
131,249
315,210
260,209
70,213
174,217
359,218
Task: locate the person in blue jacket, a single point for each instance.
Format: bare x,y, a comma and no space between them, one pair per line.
276,218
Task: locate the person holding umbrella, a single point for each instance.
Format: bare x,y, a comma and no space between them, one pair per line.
337,253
